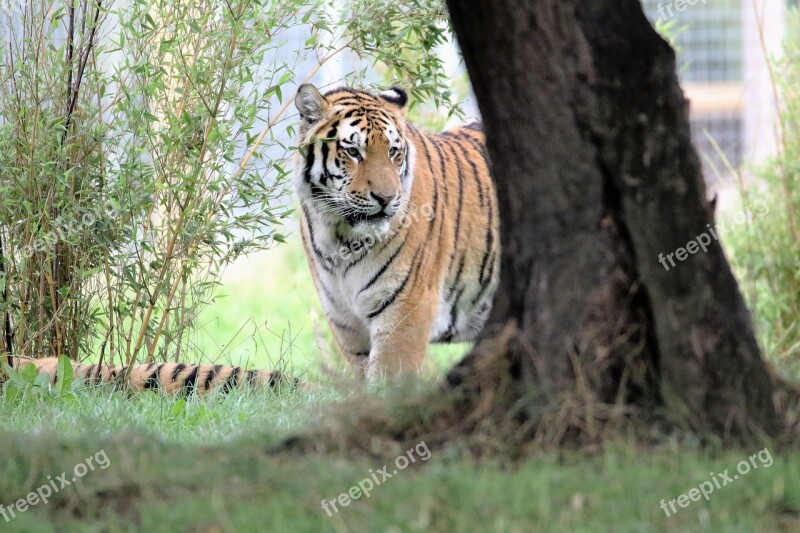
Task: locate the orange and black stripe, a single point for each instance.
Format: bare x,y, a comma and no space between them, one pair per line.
173,378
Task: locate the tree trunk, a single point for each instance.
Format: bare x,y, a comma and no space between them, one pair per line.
596,176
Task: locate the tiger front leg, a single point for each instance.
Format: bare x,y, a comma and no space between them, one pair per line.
354,343
400,338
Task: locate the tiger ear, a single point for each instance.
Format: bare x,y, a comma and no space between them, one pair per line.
312,105
397,97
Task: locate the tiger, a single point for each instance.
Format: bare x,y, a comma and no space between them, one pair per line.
400,228
172,378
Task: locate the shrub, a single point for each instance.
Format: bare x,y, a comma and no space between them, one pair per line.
766,252
145,147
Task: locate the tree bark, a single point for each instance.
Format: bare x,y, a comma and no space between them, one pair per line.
588,133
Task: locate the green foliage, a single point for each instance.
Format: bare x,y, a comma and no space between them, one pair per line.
25,382
414,29
145,147
766,251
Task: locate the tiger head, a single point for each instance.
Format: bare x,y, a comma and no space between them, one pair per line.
355,167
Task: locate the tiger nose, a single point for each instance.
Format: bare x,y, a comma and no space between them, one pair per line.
384,199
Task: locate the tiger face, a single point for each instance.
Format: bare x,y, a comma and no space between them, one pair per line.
357,171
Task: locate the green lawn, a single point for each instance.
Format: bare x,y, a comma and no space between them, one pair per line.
203,464
206,464
141,482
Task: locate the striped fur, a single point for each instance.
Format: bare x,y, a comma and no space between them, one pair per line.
172,378
400,227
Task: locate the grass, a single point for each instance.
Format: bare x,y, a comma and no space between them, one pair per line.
155,485
214,419
201,464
